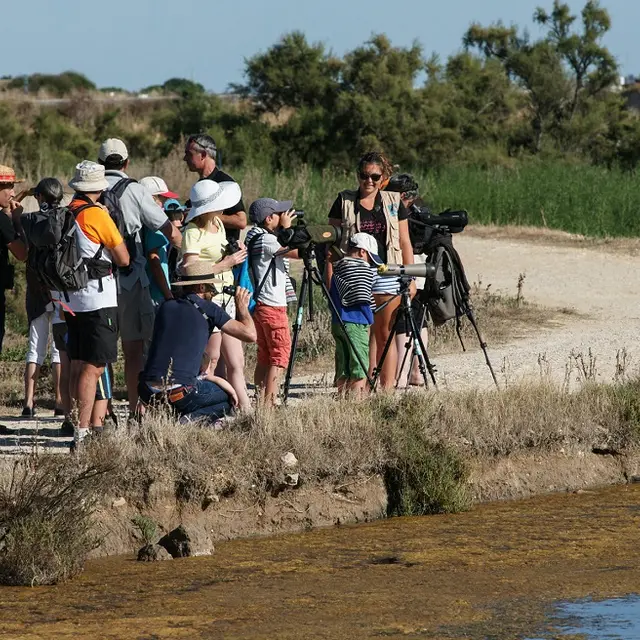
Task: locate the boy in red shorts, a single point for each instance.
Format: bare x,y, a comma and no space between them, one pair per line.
267,260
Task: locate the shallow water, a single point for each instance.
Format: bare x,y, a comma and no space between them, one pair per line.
495,572
617,618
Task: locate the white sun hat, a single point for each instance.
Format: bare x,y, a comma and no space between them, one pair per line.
89,178
207,196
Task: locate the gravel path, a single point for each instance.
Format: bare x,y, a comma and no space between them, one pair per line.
603,288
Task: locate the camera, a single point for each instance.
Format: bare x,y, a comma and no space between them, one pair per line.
302,235
423,225
299,214
231,248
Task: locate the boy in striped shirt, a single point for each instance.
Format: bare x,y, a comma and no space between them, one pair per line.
350,291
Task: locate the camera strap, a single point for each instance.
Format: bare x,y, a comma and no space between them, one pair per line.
210,323
271,269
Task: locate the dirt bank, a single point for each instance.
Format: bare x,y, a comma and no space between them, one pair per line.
357,501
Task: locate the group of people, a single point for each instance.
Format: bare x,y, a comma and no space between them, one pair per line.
167,283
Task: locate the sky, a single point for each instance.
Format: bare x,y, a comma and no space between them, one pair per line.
136,43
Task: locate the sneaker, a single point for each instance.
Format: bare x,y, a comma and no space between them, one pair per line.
80,438
28,412
66,429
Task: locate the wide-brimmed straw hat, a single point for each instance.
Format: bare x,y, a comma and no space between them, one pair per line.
8,175
89,178
198,272
207,196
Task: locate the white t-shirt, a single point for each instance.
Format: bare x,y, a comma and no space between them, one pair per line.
272,294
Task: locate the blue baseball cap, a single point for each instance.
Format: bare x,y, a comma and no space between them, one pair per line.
173,205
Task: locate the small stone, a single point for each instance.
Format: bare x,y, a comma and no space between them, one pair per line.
153,553
184,542
119,502
289,460
292,479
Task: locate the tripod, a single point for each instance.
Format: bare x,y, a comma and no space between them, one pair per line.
419,350
310,276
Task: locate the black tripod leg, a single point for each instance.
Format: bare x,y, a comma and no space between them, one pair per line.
317,278
483,345
423,359
378,369
297,326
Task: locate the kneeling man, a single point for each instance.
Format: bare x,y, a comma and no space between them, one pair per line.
181,331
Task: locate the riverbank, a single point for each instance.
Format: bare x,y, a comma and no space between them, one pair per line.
497,571
323,462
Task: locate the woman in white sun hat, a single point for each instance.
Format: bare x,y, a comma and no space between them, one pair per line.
204,238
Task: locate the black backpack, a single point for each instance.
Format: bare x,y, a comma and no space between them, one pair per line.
54,255
111,199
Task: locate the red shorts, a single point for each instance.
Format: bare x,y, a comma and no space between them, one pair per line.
274,337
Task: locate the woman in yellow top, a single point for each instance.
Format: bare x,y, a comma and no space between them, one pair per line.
204,238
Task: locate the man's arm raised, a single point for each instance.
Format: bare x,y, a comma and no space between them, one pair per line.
242,328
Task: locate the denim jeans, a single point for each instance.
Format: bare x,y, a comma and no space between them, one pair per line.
205,399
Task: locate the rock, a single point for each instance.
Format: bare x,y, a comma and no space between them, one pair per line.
291,479
184,542
119,502
153,553
289,460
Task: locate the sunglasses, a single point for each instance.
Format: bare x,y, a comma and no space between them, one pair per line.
375,177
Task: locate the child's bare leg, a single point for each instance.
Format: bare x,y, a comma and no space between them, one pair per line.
356,387
260,377
272,384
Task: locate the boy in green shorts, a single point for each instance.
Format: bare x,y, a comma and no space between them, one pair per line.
350,291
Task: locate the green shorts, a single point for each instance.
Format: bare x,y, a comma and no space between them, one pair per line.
347,365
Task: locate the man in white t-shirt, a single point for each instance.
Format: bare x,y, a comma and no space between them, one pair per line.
267,261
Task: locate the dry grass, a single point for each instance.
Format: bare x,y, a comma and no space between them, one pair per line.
46,508
335,439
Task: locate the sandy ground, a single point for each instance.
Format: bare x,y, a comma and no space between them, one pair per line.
601,286
597,280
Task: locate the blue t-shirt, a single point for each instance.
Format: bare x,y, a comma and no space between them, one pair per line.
156,240
357,314
180,335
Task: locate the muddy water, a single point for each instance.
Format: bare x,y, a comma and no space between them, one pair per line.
495,572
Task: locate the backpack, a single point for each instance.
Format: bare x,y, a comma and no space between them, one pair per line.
446,296
111,199
54,255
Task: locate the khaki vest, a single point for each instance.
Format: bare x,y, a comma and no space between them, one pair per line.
351,222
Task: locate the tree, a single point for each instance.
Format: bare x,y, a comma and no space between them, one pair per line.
561,72
593,67
292,73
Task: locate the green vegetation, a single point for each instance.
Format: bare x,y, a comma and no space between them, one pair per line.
58,85
515,130
506,97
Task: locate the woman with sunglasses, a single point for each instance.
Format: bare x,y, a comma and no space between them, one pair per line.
381,214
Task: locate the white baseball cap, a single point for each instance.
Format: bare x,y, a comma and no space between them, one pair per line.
113,147
368,243
158,187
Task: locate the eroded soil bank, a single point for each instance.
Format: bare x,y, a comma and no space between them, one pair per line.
362,499
493,572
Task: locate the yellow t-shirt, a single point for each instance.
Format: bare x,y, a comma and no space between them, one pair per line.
208,246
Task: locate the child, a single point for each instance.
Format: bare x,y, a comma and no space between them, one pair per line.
268,266
350,291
